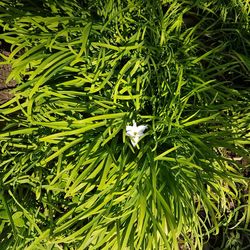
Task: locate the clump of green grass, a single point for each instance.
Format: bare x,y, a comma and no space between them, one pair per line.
70,178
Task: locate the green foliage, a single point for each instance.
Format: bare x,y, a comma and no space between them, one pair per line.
70,178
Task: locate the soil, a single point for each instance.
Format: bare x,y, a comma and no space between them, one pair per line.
5,69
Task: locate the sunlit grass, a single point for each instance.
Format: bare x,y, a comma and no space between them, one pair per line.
70,178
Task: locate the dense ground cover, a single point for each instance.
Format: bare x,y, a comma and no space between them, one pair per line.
70,178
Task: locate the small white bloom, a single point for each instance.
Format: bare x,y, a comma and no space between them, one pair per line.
135,133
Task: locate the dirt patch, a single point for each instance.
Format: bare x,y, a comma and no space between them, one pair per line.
5,69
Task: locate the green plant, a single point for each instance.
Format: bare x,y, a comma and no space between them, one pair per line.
70,177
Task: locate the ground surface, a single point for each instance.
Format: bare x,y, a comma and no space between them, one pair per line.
5,88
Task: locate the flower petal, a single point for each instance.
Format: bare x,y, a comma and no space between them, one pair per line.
135,140
142,127
130,133
129,128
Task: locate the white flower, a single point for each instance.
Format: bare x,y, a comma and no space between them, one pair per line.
135,133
